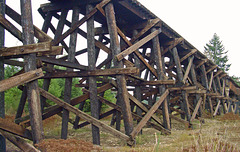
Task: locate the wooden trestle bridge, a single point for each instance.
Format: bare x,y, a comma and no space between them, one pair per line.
129,50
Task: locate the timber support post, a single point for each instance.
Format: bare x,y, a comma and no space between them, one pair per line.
161,73
30,64
2,101
121,81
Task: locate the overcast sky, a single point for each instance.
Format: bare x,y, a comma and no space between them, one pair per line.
198,20
194,20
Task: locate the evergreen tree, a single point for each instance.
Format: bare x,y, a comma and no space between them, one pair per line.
215,51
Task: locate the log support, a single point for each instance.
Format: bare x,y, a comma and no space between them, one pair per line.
121,81
30,64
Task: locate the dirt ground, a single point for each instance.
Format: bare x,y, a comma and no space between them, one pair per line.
222,132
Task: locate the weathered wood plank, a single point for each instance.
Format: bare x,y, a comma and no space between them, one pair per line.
20,79
56,50
85,116
137,45
153,83
201,63
172,44
150,24
11,28
193,51
64,63
149,114
98,72
211,81
186,88
13,128
196,109
19,142
196,91
211,69
217,107
26,49
188,70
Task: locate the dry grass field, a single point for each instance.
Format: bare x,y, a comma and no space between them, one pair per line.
220,134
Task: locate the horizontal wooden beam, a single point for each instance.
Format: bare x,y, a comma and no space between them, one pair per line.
182,88
14,63
56,50
16,129
26,49
98,72
153,83
64,63
20,79
86,117
197,91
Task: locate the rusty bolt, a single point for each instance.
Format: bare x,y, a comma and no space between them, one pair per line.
37,73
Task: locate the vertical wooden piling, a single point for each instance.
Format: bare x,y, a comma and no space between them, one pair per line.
2,38
137,91
68,81
160,72
2,102
95,104
30,64
194,80
121,81
180,78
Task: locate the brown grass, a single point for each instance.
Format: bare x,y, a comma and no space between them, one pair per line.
219,134
60,145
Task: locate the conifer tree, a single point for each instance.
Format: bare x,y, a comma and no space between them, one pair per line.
215,51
